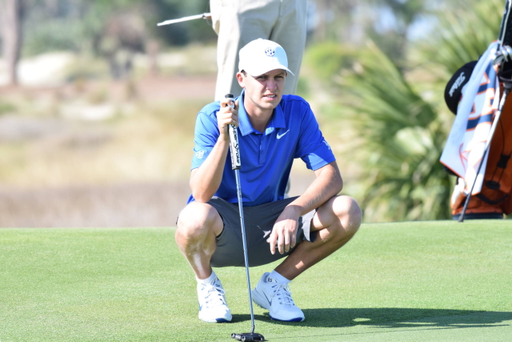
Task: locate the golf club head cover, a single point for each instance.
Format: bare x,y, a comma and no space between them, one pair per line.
453,90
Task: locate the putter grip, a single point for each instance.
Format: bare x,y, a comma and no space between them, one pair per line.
233,143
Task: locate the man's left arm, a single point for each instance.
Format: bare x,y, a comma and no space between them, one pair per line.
328,183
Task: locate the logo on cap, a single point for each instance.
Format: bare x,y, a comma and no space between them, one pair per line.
270,52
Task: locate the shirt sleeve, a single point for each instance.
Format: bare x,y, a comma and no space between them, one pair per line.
205,136
313,149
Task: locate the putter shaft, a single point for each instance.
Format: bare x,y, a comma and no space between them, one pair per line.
179,20
236,166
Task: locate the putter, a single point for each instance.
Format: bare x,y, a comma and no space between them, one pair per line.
236,165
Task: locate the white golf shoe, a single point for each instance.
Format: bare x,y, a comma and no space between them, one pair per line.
277,299
212,302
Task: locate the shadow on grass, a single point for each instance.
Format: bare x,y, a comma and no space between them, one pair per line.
395,318
243,318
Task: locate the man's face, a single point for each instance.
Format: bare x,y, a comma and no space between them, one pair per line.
263,92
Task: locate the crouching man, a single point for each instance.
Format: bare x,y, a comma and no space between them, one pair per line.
273,130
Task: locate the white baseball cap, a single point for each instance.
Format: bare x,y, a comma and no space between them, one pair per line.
261,56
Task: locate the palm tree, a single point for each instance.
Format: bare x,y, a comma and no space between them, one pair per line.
398,143
393,39
399,120
462,35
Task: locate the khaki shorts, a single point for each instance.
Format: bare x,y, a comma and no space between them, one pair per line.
259,221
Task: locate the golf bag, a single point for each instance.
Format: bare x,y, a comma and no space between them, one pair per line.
479,146
493,199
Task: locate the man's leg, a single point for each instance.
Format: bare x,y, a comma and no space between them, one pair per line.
238,23
336,222
290,32
198,226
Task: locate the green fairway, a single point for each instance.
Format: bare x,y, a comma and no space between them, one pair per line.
407,281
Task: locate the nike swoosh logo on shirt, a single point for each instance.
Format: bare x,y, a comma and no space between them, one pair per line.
279,136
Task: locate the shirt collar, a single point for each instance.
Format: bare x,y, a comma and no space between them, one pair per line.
276,121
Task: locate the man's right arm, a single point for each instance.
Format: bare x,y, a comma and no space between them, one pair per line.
205,180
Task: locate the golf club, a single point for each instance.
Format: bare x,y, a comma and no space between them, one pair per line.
191,17
236,166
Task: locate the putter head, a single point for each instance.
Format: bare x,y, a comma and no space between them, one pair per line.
248,337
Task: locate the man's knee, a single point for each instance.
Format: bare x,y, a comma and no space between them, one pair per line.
348,212
197,219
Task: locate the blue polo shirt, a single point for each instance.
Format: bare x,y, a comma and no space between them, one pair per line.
266,157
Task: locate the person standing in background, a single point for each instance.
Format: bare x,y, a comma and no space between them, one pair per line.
237,22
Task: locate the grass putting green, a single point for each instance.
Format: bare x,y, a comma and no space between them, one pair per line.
407,281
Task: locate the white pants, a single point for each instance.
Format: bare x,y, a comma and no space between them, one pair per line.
237,22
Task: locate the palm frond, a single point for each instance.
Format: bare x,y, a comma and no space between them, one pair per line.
398,147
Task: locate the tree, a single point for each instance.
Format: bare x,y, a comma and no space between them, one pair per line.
10,20
462,35
113,29
398,139
393,21
334,20
398,118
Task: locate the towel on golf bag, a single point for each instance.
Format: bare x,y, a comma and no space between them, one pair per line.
466,142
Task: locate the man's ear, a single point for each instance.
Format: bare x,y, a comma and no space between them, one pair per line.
241,79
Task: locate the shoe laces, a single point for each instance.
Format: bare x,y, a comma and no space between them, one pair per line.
283,294
214,294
